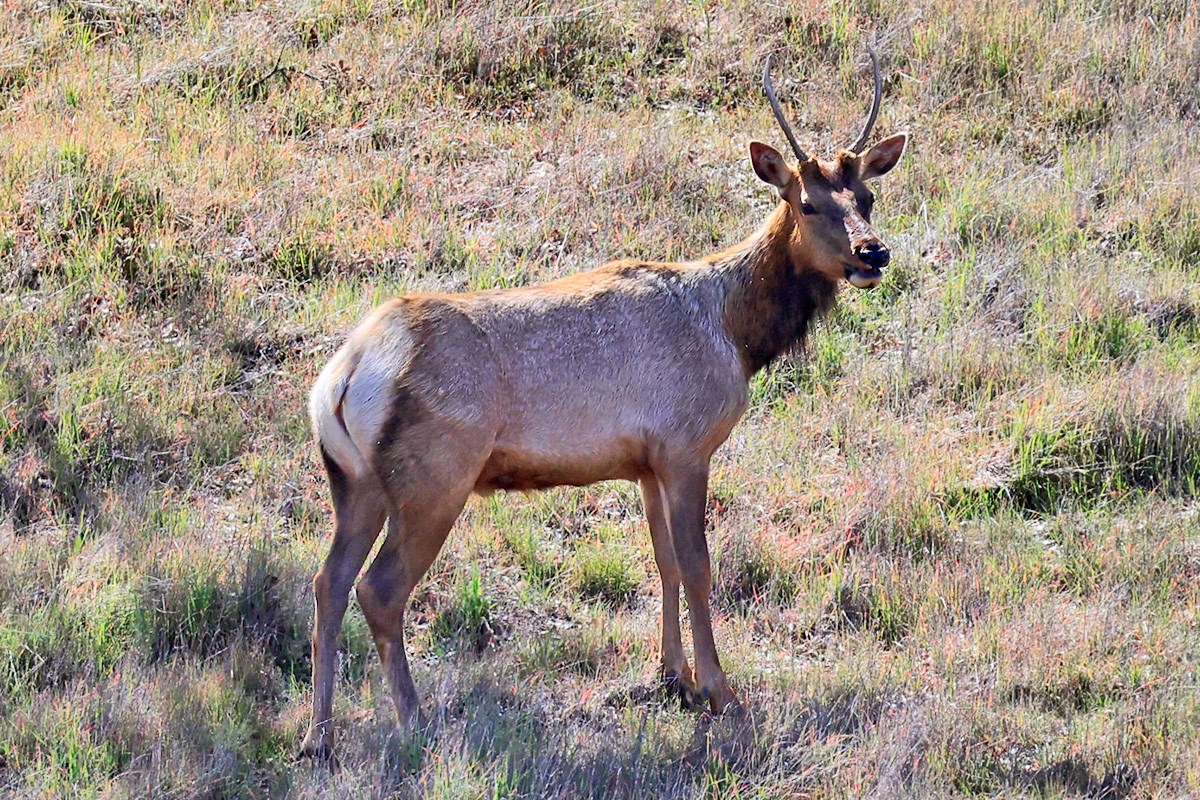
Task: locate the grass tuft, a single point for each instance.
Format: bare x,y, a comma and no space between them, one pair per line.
605,574
468,618
1122,447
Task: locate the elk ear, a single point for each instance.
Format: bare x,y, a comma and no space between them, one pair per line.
770,166
880,159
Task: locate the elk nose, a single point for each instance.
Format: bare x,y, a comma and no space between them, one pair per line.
873,255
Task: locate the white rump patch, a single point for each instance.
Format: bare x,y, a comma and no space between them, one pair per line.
364,390
327,394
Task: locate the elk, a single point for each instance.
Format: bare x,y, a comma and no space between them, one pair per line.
636,370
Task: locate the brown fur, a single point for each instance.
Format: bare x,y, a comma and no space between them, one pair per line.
772,301
635,370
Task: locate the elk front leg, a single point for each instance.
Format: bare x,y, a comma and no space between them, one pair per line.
685,490
675,670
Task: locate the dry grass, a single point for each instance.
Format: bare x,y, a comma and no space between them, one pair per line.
956,544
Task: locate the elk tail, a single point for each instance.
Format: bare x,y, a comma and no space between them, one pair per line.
329,426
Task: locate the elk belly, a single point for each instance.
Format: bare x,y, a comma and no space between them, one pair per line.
518,469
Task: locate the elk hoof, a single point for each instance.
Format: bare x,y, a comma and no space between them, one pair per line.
691,697
730,709
716,701
417,723
320,752
682,686
722,702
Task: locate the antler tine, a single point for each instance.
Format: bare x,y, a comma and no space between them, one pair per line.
874,114
783,123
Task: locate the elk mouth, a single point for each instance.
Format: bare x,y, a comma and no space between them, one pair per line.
864,277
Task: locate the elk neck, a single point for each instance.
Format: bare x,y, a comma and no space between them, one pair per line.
770,300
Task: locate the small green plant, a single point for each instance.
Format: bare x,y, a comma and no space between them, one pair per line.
1115,450
1111,337
301,259
880,608
468,617
583,651
538,567
605,574
504,67
67,746
755,570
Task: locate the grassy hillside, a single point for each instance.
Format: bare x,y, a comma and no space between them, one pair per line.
956,541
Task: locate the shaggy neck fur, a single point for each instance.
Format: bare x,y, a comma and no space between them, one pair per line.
770,301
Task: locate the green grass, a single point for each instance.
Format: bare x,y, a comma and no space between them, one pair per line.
605,574
468,617
954,540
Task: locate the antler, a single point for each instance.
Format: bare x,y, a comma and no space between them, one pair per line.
874,113
774,101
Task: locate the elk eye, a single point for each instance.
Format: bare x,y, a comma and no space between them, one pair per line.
807,209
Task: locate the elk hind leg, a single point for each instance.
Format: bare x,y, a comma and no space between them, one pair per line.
416,531
359,510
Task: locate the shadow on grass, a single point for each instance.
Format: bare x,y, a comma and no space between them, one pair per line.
1071,776
68,449
522,743
539,754
1117,453
59,463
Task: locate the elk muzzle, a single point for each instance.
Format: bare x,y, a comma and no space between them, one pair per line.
874,256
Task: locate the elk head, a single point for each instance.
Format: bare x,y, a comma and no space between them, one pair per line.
830,200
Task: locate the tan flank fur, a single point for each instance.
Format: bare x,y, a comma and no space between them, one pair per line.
636,370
